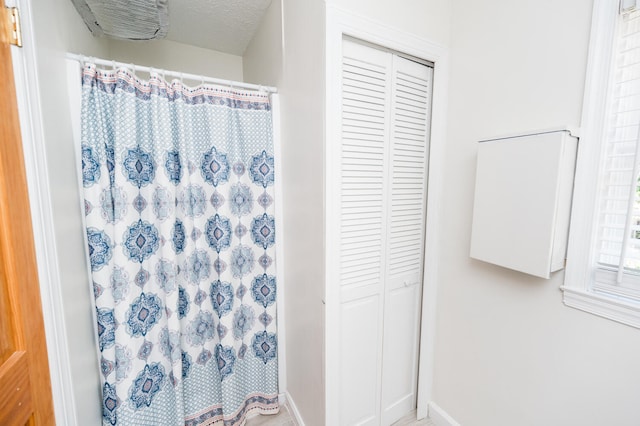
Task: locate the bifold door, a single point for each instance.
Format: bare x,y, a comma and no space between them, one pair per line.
386,109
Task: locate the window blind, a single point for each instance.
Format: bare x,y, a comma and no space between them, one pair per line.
628,5
618,248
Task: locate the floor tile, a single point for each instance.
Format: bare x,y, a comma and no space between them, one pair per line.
410,420
283,418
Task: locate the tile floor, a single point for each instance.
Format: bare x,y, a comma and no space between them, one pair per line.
410,420
284,418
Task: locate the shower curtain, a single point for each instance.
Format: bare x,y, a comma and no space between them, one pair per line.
178,196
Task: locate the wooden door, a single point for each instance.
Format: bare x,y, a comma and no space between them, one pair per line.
25,389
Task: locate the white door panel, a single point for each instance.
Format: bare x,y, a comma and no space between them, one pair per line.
360,372
386,109
400,347
410,112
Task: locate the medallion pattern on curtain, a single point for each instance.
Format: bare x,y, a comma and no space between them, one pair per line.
178,189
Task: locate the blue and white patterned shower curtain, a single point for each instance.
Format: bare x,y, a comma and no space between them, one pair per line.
178,188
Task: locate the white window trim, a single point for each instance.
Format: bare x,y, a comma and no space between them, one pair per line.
578,290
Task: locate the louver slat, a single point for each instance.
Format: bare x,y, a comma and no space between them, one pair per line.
365,127
383,165
410,126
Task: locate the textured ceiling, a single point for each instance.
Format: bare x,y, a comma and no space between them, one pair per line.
224,25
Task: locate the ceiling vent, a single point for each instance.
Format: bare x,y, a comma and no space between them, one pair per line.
125,19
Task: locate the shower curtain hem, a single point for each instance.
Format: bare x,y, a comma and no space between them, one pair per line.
257,404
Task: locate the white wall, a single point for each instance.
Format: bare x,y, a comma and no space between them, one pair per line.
59,29
508,352
288,51
262,62
174,56
430,19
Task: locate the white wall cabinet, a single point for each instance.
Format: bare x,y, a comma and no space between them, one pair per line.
384,147
523,201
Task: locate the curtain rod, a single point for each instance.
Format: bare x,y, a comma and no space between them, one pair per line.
180,75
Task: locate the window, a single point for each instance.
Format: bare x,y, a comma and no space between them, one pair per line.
603,261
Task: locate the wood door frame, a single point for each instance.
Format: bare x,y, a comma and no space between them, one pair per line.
340,23
25,70
31,395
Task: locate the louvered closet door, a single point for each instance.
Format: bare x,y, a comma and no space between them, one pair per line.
410,118
383,164
366,88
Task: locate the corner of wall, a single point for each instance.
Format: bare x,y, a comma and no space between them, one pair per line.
262,62
293,410
439,417
302,105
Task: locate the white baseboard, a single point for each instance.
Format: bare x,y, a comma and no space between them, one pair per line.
439,417
294,410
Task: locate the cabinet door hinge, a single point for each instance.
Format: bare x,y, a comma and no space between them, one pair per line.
12,26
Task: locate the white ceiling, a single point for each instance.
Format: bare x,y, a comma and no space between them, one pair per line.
224,25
